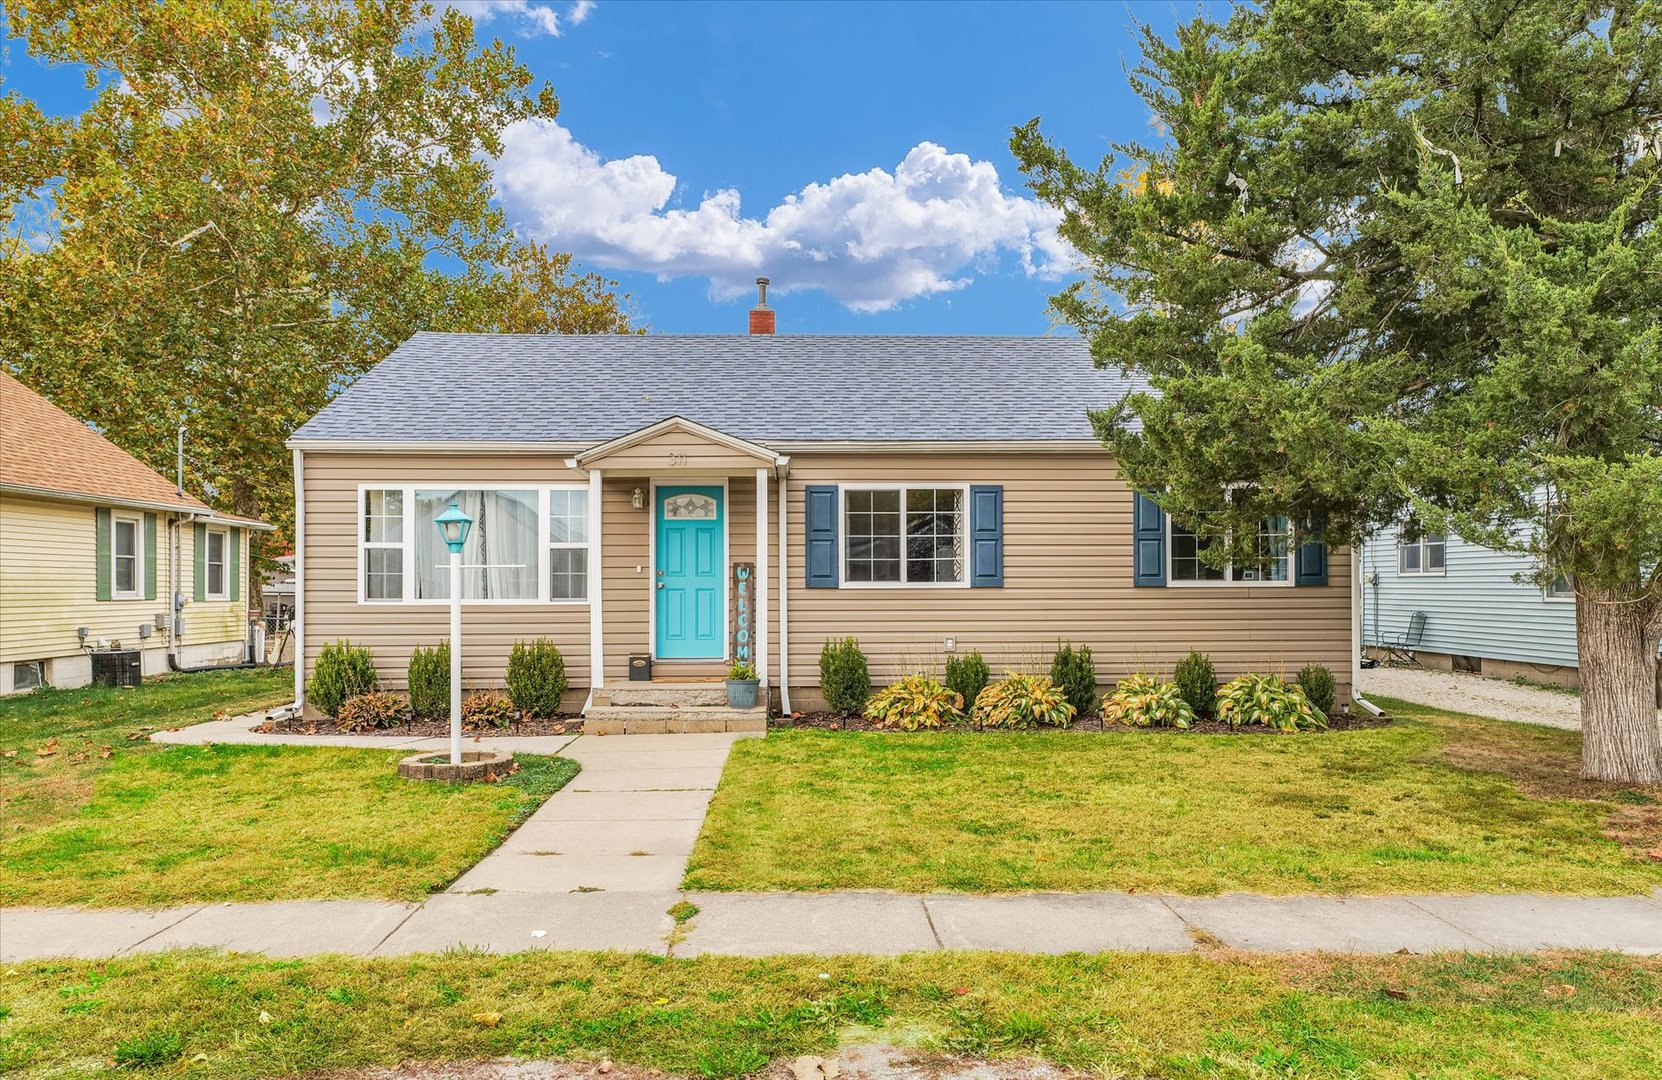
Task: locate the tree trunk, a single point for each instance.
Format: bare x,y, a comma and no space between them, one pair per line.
1617,632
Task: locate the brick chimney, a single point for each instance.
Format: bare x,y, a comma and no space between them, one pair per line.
761,316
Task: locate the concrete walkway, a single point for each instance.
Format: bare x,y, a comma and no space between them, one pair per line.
749,924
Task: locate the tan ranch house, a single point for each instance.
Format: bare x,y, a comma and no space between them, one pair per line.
645,499
104,562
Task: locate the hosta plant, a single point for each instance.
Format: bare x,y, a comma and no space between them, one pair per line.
376,709
917,702
1022,701
488,710
1266,700
1140,701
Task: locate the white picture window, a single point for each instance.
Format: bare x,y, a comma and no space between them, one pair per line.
1269,562
525,544
127,557
1426,555
218,554
904,535
568,544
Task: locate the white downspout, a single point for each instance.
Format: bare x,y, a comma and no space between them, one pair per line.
1356,568
597,628
784,594
300,581
760,617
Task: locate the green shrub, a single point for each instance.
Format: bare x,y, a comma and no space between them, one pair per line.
1317,683
1266,700
1074,672
1142,702
1197,682
967,676
917,701
149,1051
343,670
430,682
536,677
378,709
741,671
488,710
844,677
1022,701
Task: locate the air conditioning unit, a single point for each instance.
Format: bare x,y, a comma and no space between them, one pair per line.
117,667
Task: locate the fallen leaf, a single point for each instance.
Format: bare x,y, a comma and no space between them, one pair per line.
105,751
49,749
1394,994
661,1001
1562,990
1654,853
605,1066
487,1019
11,753
806,1068
265,1017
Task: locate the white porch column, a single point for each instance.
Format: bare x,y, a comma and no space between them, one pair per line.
597,628
784,601
761,615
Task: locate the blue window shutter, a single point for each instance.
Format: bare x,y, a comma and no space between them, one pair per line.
1148,541
1310,564
821,547
986,536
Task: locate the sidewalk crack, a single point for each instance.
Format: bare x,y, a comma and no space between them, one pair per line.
408,915
929,917
1411,902
163,929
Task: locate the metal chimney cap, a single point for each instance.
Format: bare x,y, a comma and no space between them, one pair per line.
762,292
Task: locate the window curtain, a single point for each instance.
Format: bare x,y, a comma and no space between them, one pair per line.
500,557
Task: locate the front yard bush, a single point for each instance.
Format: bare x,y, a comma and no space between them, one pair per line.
343,671
1074,672
915,702
367,712
1266,700
844,677
967,675
488,710
430,682
1317,683
537,677
1197,681
1140,701
1023,701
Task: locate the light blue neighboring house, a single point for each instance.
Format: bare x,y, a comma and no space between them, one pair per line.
1482,612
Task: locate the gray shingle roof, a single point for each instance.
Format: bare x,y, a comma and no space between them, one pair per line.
532,387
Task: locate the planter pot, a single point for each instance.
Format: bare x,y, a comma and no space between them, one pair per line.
741,693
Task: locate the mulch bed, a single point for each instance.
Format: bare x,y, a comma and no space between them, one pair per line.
562,724
830,721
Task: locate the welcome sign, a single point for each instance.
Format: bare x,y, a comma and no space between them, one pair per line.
742,629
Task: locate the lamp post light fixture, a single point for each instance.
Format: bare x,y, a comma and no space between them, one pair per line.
453,525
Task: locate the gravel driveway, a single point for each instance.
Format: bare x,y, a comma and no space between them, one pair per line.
1460,691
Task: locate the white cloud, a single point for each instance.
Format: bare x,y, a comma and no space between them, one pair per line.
871,240
580,11
533,17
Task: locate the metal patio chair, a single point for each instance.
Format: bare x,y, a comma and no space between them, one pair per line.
1401,648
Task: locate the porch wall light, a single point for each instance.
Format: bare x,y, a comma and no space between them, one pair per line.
637,499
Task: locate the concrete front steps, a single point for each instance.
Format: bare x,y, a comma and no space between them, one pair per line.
658,708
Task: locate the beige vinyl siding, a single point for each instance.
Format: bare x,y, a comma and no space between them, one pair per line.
48,585
332,611
1067,575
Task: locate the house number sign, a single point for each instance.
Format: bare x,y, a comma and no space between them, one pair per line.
743,629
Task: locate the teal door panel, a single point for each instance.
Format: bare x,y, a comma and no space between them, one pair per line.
689,578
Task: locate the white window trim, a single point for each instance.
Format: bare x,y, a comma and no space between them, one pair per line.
224,592
844,487
1558,598
1423,571
1228,581
137,591
409,489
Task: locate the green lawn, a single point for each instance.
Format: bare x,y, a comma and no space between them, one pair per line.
1567,1016
1435,803
153,825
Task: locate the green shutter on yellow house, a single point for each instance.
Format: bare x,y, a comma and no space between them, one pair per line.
101,549
199,544
150,556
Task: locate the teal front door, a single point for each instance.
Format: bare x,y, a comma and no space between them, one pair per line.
689,579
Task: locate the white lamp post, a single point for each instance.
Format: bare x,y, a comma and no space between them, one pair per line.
453,526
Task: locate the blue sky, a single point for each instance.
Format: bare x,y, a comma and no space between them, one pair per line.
856,153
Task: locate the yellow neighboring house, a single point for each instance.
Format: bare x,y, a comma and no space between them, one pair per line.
101,554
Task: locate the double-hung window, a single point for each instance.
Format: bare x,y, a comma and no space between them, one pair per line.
215,562
526,545
1428,554
904,535
1269,560
126,555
